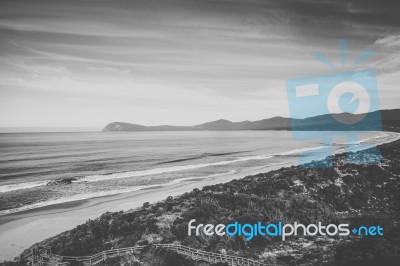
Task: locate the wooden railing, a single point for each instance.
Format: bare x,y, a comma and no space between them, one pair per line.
194,254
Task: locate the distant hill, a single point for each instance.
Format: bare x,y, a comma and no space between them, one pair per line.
390,120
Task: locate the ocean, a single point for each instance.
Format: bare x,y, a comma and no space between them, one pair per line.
40,169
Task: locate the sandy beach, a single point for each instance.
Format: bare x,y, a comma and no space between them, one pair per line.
20,230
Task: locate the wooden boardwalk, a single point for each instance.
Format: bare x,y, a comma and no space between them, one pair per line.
43,256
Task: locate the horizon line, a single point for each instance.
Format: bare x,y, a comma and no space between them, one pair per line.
81,129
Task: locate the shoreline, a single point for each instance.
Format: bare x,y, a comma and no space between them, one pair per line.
20,230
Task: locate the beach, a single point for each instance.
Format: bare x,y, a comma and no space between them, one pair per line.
20,230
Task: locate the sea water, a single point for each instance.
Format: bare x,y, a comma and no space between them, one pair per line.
39,169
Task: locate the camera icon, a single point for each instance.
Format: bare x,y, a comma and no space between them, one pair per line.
341,105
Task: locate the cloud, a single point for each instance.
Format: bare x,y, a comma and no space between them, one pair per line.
389,41
180,53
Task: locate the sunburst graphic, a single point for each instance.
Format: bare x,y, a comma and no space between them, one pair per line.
343,44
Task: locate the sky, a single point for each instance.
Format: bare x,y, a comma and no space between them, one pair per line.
182,62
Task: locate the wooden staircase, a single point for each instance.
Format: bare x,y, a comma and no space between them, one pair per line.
43,256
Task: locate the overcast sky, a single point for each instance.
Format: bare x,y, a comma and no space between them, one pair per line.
183,62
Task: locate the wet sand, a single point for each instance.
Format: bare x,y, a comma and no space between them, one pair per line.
20,230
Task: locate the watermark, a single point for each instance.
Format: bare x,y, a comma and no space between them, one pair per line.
280,229
348,102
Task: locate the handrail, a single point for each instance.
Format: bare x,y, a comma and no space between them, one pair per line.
200,254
